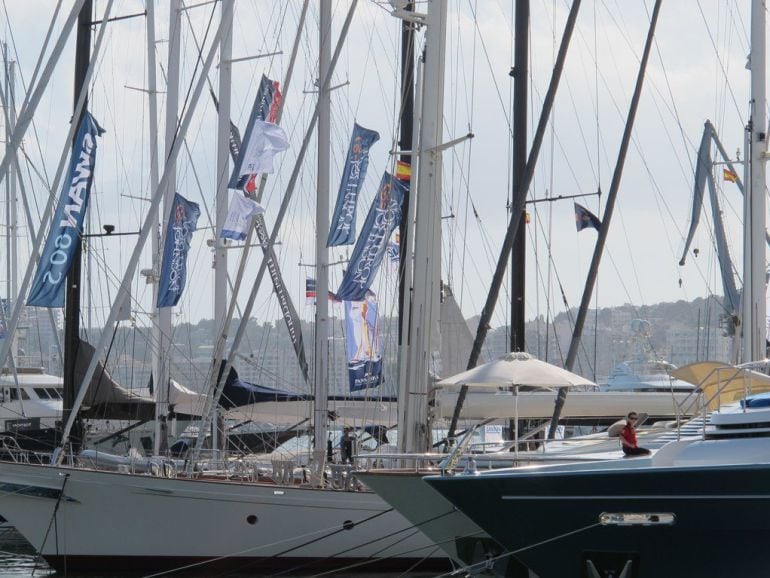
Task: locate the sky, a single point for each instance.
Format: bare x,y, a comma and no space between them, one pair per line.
696,72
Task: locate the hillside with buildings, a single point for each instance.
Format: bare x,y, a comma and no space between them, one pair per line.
680,332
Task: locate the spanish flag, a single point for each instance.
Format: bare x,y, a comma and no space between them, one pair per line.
403,171
729,175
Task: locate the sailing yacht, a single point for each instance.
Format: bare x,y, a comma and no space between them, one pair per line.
241,519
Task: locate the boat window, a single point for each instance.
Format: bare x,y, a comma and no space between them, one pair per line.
53,392
41,393
24,394
14,394
60,391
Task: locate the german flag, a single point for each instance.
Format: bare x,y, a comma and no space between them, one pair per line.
729,175
403,171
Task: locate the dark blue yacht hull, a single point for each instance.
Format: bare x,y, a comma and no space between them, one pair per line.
720,524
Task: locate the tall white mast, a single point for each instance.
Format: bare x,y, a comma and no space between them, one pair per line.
320,375
427,238
223,174
162,327
11,224
754,255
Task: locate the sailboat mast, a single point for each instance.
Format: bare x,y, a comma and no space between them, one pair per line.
427,238
519,252
162,326
223,174
405,144
10,182
320,377
152,93
754,254
72,297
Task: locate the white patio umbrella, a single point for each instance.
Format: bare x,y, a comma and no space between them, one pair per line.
516,369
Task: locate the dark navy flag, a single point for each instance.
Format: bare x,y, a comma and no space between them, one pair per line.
48,286
265,109
343,225
384,216
173,273
585,218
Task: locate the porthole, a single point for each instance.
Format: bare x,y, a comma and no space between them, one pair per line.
348,525
251,519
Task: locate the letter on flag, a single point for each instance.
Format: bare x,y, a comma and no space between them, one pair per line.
362,343
343,224
730,176
585,218
48,286
239,216
384,215
173,273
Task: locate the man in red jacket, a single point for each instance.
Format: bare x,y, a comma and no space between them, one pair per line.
628,437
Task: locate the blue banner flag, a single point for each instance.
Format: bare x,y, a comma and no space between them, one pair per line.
362,343
585,218
384,216
48,285
173,273
343,225
265,109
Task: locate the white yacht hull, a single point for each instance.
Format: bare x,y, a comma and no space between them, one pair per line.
108,521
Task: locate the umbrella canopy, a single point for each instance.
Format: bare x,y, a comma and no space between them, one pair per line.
517,369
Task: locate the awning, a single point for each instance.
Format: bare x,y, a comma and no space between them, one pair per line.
722,383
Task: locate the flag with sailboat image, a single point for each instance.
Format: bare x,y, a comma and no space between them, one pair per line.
343,224
173,272
384,215
67,224
362,342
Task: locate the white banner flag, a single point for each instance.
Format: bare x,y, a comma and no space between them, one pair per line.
266,140
239,216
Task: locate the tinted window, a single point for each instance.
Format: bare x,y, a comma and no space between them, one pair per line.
41,393
53,392
24,394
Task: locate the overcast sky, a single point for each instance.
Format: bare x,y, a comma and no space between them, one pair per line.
696,73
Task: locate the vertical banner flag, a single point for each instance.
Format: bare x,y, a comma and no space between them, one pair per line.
266,108
362,343
48,285
343,224
384,215
173,273
585,218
